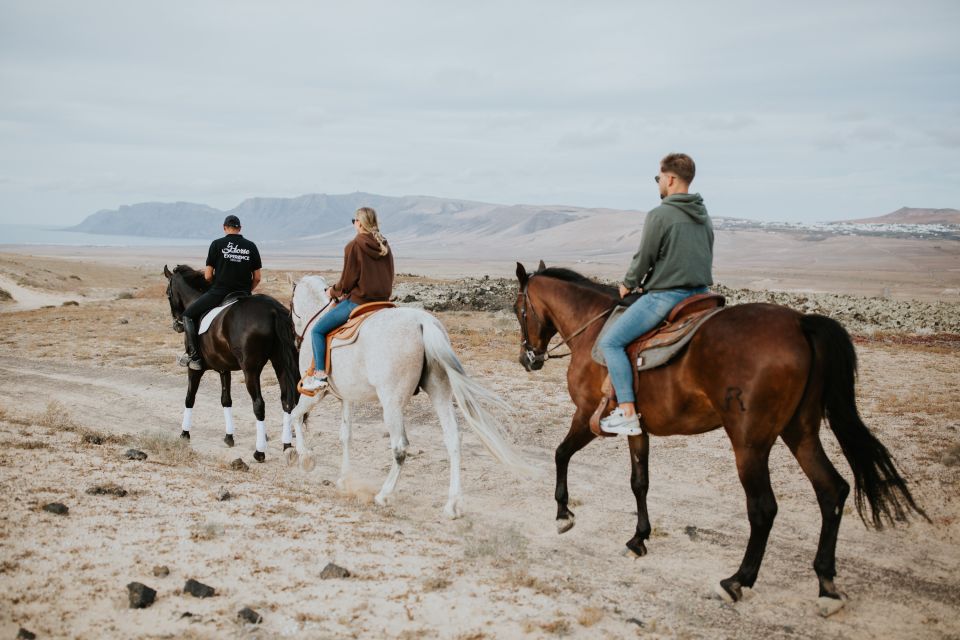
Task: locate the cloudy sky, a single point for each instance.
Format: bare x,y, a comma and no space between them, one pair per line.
793,111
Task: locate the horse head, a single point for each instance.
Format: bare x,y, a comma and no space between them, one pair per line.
308,299
184,284
535,328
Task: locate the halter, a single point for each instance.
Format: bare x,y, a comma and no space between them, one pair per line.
532,355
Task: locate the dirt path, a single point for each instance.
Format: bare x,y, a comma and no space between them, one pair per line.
105,369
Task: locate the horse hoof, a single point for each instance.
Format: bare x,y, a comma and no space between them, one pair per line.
228,439
259,456
635,549
826,606
287,445
728,590
453,509
185,435
565,524
307,462
290,457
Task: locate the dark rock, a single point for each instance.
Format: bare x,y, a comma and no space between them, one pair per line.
223,494
161,571
691,532
123,321
198,589
57,507
636,621
186,614
249,615
332,571
92,439
409,298
107,490
239,465
135,454
23,634
141,596
70,303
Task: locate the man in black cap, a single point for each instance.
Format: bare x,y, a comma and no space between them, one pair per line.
233,264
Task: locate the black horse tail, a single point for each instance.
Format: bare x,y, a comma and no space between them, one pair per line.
286,347
876,479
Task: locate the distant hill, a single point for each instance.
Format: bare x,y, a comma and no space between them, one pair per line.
328,216
911,215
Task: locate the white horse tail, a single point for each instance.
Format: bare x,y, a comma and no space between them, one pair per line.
470,395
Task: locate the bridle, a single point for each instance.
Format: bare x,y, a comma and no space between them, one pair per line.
530,353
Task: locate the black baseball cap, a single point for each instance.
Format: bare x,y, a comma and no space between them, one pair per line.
231,221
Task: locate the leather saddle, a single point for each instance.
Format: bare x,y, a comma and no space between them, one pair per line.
344,334
661,343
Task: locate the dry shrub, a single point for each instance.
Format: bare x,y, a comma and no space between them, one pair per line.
29,444
558,627
206,531
590,616
56,417
125,295
90,436
436,584
504,545
168,448
945,404
521,579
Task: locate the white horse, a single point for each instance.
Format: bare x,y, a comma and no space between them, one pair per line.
397,351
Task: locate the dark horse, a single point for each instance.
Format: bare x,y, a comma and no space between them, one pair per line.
759,371
243,337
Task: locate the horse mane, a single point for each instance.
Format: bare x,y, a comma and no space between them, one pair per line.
569,275
192,277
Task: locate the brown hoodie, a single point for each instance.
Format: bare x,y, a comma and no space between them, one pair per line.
367,276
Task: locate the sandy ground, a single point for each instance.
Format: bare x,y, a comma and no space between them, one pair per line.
103,370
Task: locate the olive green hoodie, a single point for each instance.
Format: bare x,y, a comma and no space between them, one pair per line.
676,247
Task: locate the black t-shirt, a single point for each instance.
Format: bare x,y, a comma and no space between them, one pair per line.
234,259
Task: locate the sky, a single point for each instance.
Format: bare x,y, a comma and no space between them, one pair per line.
792,111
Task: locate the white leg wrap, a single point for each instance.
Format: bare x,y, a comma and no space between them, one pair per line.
228,419
286,437
261,436
187,419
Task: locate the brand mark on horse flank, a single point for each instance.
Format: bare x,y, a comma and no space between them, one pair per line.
734,393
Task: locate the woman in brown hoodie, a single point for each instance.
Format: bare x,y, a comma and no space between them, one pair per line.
367,277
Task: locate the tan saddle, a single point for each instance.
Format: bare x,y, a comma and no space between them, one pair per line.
347,332
678,327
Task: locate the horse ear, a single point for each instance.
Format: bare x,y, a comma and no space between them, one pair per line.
541,266
521,274
166,272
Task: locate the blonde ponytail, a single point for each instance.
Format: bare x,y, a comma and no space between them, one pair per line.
367,218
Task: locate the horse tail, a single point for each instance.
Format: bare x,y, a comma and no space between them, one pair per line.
877,482
286,346
470,395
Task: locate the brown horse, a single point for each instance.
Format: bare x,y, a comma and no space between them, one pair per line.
759,371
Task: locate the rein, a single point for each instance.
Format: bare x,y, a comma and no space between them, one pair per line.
531,353
310,321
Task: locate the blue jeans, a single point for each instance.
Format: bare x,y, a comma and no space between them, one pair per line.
325,324
640,317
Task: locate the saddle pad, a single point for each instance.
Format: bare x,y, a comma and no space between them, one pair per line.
211,315
660,348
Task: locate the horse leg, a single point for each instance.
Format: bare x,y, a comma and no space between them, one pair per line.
393,418
752,465
287,401
227,403
831,490
298,417
346,435
640,482
193,383
252,380
442,398
577,438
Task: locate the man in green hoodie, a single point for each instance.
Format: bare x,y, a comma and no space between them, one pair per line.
674,262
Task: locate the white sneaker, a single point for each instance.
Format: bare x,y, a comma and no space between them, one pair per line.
314,382
620,424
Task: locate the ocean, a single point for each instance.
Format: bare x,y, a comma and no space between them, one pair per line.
30,234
